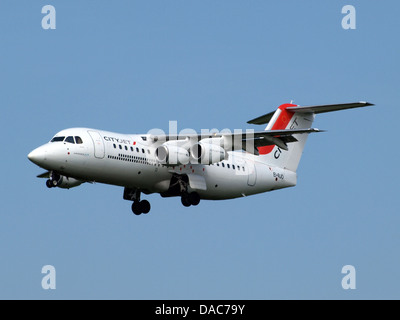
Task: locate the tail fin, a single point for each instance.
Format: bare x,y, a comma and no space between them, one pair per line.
281,120
290,116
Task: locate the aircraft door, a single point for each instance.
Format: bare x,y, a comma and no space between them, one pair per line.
99,150
251,173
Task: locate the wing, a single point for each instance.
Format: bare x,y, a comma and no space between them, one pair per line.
251,142
248,141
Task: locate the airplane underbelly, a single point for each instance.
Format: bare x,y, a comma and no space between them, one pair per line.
224,185
231,184
120,173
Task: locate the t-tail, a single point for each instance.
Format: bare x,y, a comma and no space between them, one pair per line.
290,116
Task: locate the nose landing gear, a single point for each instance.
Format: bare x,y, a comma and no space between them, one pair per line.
49,183
54,180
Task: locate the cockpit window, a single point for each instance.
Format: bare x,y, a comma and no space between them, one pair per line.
70,139
78,140
57,139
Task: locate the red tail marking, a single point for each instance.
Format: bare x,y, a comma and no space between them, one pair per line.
280,124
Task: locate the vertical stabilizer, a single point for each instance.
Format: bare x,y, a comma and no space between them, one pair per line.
291,116
281,120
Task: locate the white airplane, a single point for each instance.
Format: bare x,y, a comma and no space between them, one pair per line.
212,166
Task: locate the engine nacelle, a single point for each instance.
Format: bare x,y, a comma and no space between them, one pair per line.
208,153
67,183
172,155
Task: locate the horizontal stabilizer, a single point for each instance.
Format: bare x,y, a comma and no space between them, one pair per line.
312,109
329,107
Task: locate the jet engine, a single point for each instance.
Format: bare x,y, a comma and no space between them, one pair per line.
173,155
208,153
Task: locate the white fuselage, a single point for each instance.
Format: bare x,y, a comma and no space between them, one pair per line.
130,161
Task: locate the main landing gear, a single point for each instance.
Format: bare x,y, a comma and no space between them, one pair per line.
190,199
138,207
187,198
179,187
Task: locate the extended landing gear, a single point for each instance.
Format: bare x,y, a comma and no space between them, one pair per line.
190,199
179,187
53,180
138,207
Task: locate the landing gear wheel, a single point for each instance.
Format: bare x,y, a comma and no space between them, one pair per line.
185,200
49,183
140,207
55,179
136,208
194,198
144,206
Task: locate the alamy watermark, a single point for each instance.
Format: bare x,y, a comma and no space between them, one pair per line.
49,280
349,280
349,20
49,20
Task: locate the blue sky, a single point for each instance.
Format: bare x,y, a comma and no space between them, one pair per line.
130,66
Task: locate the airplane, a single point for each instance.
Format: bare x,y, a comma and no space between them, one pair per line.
192,166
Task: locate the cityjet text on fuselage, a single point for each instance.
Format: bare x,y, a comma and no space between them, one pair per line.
117,140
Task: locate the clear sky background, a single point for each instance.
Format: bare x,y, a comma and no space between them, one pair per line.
131,66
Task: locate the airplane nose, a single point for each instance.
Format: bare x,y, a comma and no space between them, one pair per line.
37,156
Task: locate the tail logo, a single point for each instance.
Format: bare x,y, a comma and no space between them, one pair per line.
277,153
280,123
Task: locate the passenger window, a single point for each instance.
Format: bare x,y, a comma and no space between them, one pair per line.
120,147
223,164
238,168
148,151
137,149
70,139
243,168
143,151
57,139
233,167
126,148
228,165
132,149
218,164
115,146
78,140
